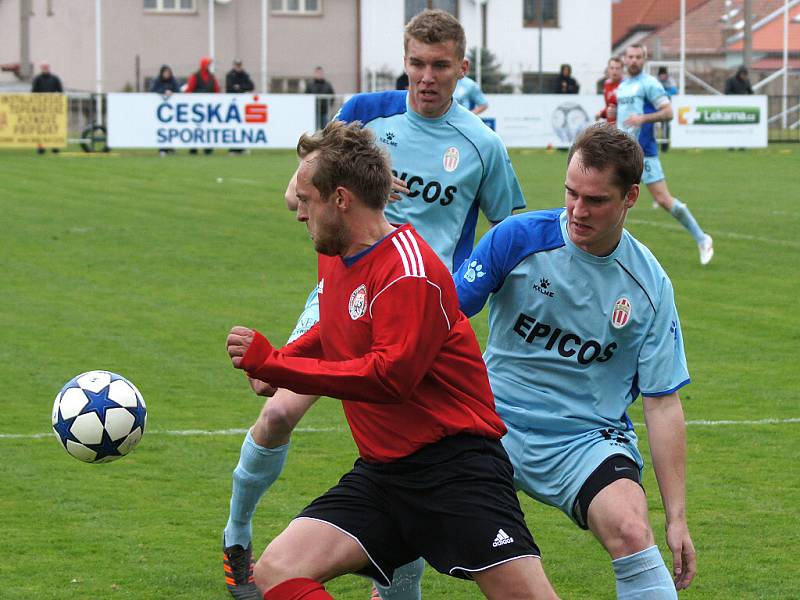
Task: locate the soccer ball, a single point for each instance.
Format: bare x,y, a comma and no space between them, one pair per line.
99,416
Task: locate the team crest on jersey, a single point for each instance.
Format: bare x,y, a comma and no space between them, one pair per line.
358,302
450,160
621,313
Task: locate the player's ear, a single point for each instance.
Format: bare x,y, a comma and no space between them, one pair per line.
464,68
342,197
632,196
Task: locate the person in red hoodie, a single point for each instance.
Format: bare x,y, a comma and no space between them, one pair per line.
203,82
614,72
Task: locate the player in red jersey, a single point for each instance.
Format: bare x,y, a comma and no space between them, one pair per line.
614,72
392,344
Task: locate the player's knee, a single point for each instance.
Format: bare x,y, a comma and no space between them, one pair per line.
271,569
634,534
280,419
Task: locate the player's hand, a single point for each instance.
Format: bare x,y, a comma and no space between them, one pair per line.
684,559
634,121
262,388
239,340
398,187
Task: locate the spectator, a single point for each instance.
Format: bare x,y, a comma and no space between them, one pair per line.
203,82
402,82
469,95
166,85
566,84
46,83
320,85
671,89
667,82
238,81
739,83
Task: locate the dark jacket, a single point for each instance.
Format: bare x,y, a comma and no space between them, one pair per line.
566,84
160,85
46,82
738,84
238,82
319,86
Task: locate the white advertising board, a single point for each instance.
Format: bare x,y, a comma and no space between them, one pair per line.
208,120
540,120
719,122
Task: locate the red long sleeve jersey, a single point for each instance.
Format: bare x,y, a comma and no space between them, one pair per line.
610,96
393,345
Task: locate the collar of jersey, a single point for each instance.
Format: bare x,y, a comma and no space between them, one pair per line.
351,260
415,116
582,254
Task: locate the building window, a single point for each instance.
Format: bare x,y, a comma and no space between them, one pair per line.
414,7
296,7
530,13
170,6
286,85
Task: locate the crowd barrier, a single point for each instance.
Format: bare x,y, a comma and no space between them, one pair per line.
129,120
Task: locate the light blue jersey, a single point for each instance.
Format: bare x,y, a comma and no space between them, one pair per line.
636,96
468,93
573,340
453,166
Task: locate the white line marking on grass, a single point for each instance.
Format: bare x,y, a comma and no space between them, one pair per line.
204,432
183,432
719,234
249,181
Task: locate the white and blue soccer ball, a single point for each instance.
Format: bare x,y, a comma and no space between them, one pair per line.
99,416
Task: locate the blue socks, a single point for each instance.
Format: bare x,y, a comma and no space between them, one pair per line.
643,576
257,470
406,582
681,212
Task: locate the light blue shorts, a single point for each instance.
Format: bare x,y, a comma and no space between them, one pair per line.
308,317
553,468
652,170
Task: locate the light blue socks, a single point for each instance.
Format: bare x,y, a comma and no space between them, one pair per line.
681,212
643,576
406,582
257,470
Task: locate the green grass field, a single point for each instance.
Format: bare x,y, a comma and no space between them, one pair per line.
140,265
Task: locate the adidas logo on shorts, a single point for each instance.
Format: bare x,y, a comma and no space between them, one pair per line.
501,539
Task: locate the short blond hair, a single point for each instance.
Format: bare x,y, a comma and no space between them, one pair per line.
435,27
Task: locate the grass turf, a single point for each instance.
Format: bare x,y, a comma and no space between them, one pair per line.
140,264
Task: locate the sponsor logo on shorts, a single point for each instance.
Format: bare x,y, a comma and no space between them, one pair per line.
621,313
358,302
450,159
501,539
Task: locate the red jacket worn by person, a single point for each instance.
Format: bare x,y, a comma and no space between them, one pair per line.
393,345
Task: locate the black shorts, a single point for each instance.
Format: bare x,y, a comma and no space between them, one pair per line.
618,466
452,503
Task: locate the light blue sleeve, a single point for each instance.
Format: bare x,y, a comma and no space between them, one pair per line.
662,362
308,318
477,97
654,92
500,192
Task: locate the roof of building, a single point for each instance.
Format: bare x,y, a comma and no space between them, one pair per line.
711,26
631,16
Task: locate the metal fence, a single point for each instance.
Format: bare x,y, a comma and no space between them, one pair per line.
86,121
784,118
